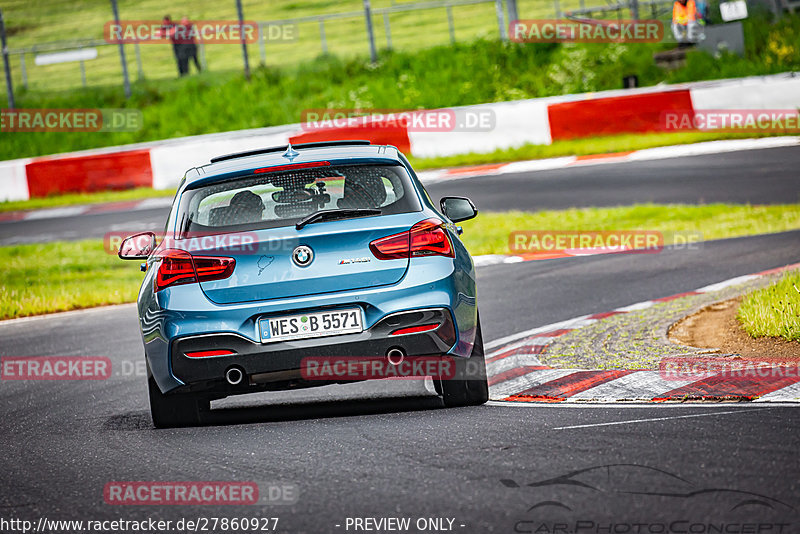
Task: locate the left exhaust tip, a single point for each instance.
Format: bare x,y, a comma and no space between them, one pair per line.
234,376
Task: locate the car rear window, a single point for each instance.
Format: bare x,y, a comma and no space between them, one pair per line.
282,198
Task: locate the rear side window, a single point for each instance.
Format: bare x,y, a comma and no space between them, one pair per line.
278,199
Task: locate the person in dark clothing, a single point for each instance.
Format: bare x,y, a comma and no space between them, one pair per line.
190,43
168,32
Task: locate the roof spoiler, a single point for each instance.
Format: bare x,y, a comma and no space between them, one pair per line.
283,148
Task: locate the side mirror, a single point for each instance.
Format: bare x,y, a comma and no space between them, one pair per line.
138,246
458,209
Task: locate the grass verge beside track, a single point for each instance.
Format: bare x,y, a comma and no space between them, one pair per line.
773,311
488,233
49,277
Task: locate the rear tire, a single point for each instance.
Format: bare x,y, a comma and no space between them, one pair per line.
474,390
174,410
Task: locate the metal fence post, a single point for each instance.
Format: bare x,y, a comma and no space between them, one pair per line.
139,68
244,40
501,20
450,24
24,70
83,73
6,64
373,53
511,6
125,80
557,8
322,35
635,9
388,30
262,46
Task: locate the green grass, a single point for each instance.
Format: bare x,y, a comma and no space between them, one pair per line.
99,197
39,22
60,276
773,311
489,232
473,72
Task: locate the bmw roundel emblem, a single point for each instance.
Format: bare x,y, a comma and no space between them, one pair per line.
302,255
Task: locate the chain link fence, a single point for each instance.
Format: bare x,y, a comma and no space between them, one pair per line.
61,46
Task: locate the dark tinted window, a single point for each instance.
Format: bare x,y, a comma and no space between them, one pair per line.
281,199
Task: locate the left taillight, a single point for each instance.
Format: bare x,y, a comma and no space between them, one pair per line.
178,267
426,238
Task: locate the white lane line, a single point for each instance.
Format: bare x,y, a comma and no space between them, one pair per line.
727,283
55,212
536,165
156,202
636,307
488,259
639,385
712,147
633,421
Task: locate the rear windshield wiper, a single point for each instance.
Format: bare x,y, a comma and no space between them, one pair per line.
323,215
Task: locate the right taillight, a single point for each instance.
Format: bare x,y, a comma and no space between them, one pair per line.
178,267
426,238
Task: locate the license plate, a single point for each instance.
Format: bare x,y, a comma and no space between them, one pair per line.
317,324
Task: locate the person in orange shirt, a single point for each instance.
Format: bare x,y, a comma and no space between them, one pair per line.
684,21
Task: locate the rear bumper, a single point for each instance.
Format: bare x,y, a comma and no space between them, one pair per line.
258,360
179,318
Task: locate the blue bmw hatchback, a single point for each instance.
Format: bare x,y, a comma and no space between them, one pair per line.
279,261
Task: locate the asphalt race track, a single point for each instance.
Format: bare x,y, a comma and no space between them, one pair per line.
765,176
389,449
768,176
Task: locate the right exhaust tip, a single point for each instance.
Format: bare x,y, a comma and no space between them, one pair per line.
234,376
